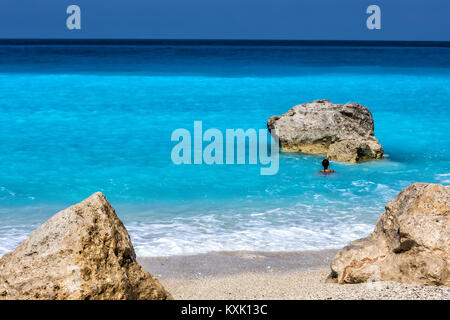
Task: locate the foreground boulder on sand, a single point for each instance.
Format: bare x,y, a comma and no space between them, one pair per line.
344,132
82,252
410,244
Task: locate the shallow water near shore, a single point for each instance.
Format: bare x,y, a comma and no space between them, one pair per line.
75,120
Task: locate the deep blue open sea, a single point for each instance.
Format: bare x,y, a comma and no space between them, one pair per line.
76,119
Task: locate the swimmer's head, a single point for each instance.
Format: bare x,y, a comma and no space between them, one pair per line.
325,163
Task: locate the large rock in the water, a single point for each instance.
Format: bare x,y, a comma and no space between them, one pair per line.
344,132
82,252
410,244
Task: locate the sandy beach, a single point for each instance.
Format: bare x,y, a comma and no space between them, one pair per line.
270,275
226,168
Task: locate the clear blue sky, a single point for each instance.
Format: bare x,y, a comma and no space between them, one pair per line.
227,19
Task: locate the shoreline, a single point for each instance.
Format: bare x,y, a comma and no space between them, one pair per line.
226,263
235,275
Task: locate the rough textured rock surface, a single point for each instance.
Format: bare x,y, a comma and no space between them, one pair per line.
343,132
410,243
82,252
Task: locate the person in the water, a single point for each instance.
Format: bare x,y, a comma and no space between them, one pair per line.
325,164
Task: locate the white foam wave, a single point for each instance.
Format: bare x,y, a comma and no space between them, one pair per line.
443,178
299,227
12,236
200,234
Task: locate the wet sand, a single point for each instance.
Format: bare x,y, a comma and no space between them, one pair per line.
270,275
219,264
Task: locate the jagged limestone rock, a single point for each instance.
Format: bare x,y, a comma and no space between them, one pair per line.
82,252
410,243
344,132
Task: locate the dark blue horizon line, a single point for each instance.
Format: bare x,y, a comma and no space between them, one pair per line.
224,42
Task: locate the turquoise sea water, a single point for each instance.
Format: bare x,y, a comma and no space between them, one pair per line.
76,119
